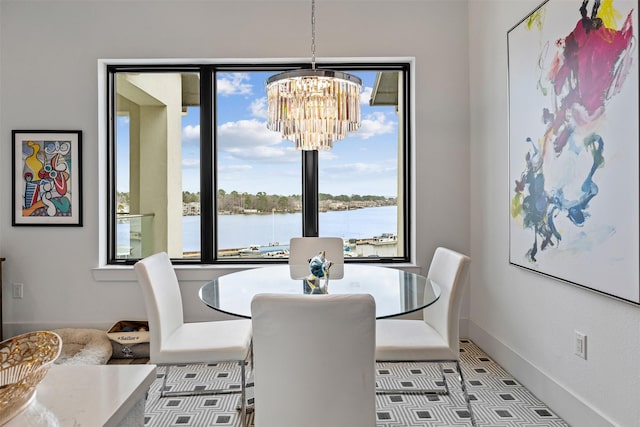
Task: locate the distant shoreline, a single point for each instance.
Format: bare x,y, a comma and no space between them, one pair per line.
275,211
193,209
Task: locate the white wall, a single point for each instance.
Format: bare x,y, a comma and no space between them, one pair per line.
48,74
48,80
524,320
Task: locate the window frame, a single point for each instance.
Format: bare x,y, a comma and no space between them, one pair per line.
208,148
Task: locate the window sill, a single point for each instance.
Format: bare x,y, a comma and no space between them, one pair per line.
117,273
199,273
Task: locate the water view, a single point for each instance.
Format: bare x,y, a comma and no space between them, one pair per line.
242,231
372,229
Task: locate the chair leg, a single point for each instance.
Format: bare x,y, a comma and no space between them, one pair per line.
466,394
444,380
250,364
243,395
164,381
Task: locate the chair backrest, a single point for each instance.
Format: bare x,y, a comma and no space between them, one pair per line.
449,269
162,298
314,359
301,249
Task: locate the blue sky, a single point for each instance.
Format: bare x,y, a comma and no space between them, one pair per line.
252,158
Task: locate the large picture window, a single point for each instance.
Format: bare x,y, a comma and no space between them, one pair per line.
194,171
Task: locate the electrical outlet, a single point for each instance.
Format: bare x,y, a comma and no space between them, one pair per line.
581,345
17,290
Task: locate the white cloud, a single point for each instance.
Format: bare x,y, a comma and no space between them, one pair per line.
259,108
361,169
234,84
192,163
328,155
375,124
246,133
251,140
191,133
361,178
245,139
261,152
234,168
365,95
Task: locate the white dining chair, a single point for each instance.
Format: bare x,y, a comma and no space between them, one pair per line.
301,249
436,337
172,341
314,360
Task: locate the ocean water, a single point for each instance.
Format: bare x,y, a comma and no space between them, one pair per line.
241,231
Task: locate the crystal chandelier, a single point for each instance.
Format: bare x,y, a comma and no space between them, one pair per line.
311,107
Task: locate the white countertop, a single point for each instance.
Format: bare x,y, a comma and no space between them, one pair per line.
86,395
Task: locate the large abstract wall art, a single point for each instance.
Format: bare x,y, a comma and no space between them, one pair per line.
573,144
47,178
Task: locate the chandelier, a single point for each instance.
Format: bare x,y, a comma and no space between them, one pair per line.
312,107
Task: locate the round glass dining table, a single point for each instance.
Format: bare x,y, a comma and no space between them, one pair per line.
396,292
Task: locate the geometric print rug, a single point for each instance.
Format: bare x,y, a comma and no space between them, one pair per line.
497,399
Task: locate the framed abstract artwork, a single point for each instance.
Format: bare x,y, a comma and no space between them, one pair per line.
47,178
573,144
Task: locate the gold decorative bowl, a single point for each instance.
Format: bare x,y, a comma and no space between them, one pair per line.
24,361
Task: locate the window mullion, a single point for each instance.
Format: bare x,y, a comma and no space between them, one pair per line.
111,159
310,193
207,188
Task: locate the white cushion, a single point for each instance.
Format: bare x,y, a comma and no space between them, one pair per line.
206,342
410,340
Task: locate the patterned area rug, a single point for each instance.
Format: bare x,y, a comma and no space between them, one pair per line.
497,398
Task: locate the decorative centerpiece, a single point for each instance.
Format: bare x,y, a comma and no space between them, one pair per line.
319,267
24,361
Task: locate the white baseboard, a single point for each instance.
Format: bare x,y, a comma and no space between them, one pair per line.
564,403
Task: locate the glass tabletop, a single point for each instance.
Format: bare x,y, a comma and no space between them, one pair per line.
396,292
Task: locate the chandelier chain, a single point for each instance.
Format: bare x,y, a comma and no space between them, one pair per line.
311,107
313,34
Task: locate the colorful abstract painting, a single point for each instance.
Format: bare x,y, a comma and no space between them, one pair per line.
573,144
46,178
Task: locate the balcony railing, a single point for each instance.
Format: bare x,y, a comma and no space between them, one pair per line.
131,235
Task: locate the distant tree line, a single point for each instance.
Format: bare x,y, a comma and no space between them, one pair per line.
261,202
235,202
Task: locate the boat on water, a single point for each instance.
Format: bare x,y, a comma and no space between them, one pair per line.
251,250
349,248
385,239
271,248
284,253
